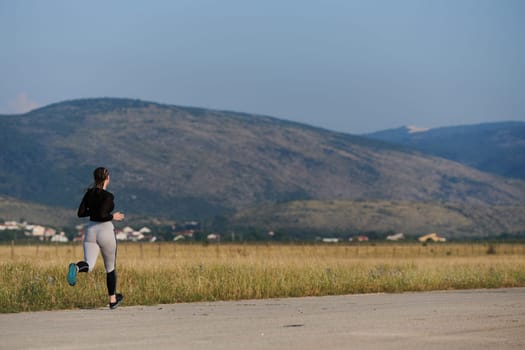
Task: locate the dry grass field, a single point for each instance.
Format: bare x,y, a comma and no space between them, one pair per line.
34,277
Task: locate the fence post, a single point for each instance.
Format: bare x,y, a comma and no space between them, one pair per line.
12,250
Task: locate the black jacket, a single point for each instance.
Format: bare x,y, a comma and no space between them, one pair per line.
97,204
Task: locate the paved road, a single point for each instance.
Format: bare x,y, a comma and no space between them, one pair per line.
475,319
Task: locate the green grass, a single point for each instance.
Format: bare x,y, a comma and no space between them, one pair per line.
33,278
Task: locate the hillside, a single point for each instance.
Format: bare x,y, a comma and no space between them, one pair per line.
14,209
181,162
348,218
497,148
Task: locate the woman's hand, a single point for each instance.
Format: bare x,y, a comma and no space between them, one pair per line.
118,216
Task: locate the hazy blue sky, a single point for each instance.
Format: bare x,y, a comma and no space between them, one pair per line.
352,66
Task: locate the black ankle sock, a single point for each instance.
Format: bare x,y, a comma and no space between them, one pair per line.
83,266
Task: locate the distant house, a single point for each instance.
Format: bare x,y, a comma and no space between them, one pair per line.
128,229
362,238
38,231
35,231
136,236
49,232
191,225
59,238
145,230
432,237
396,237
129,233
213,237
121,236
330,240
10,225
188,233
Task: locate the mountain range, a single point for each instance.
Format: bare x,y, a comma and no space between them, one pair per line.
497,148
191,163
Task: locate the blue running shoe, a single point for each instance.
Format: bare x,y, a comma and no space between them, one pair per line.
72,274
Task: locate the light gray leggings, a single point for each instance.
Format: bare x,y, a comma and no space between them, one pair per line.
100,236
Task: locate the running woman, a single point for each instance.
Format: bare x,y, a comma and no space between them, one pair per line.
98,204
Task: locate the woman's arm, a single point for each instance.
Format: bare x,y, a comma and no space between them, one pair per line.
83,209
